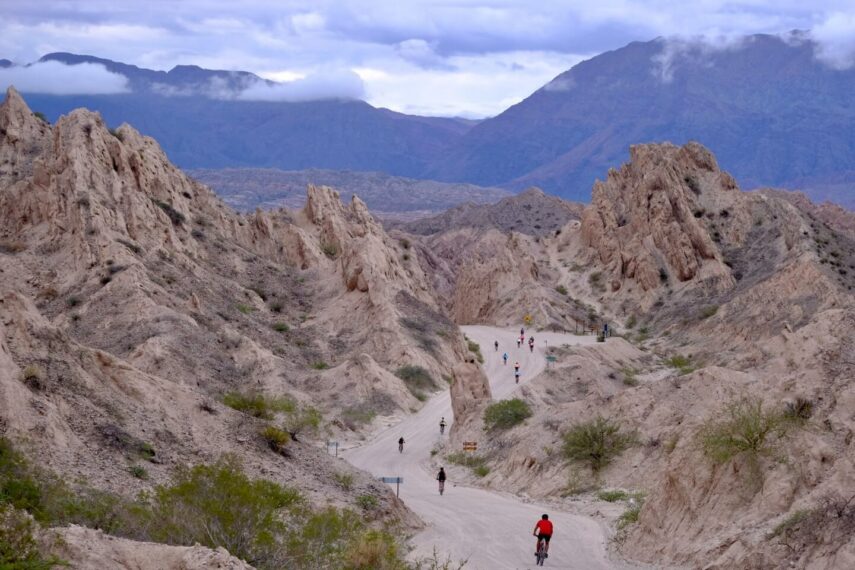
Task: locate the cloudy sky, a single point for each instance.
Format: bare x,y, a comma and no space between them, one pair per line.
469,58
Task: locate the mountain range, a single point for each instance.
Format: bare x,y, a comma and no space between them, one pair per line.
772,112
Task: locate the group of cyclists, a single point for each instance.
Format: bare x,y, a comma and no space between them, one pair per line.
543,528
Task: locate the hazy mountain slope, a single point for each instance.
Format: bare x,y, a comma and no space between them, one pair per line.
769,110
249,188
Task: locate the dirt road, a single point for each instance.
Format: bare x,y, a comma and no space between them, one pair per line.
491,530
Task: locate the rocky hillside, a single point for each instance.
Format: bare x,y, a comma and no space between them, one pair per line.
246,189
723,397
145,321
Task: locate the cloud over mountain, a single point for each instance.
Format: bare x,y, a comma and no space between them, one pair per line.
55,78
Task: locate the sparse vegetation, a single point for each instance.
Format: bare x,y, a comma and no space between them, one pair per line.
631,321
416,379
477,463
475,349
33,377
343,480
683,364
277,439
506,414
139,471
629,376
176,217
613,495
595,279
330,250
245,309
481,471
630,515
258,405
405,243
281,327
561,289
320,365
708,312
19,549
355,416
742,428
798,411
367,502
596,442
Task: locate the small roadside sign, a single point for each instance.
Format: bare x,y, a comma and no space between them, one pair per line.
550,360
470,446
396,480
331,444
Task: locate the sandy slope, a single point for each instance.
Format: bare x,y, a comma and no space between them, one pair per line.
490,529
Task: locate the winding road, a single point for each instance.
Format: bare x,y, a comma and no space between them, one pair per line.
491,530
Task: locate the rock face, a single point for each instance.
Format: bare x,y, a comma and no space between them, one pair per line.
470,394
23,137
643,220
87,549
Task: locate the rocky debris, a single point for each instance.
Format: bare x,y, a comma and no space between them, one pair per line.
530,212
643,222
88,549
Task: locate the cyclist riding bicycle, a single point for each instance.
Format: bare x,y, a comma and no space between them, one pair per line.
496,345
442,426
401,445
543,531
516,366
505,358
441,478
517,376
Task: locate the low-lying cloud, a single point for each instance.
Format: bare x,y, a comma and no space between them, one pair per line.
835,41
696,51
330,84
55,78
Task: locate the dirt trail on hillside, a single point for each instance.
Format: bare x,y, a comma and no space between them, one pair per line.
489,529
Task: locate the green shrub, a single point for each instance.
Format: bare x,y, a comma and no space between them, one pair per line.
629,376
330,250
707,312
367,502
281,327
612,495
481,470
218,505
475,349
320,365
630,515
631,321
355,416
33,377
146,451
743,427
276,306
596,442
791,522
344,480
139,471
683,364
506,414
41,116
416,379
73,301
257,405
798,411
18,547
245,309
277,439
302,419
561,289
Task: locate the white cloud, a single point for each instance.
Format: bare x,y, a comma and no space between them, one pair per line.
55,78
835,38
329,84
696,50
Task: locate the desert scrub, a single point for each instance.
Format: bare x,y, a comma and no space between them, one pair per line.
33,377
244,308
176,217
300,419
320,365
631,321
629,376
475,349
561,289
281,327
416,379
477,463
19,549
330,250
630,515
596,442
276,438
742,428
612,496
138,471
355,416
708,312
506,414
799,411
258,405
344,480
367,502
683,364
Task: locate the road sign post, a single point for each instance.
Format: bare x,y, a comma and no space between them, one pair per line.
397,481
332,444
550,360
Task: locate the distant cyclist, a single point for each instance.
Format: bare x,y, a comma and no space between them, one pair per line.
519,342
517,376
516,366
441,478
522,332
442,426
531,344
505,358
543,531
401,445
496,345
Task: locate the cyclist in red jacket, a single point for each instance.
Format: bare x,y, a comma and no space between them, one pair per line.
543,531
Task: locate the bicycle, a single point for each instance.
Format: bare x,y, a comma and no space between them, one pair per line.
541,554
441,429
441,486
